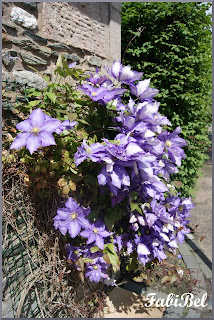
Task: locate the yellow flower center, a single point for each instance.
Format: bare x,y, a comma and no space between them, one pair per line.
88,150
94,94
76,252
35,130
95,230
117,142
168,143
180,208
73,215
95,267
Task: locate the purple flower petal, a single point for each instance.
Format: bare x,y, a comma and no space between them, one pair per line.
47,139
99,242
24,126
37,118
51,125
33,143
74,228
20,140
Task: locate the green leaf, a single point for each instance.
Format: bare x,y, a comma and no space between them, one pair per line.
114,259
71,116
51,96
135,206
94,249
83,121
34,103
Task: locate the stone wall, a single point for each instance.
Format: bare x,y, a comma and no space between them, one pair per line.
34,34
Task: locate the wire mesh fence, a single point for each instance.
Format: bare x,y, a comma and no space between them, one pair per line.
17,265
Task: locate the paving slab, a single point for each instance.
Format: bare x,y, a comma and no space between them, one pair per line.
122,303
201,214
194,314
198,278
134,287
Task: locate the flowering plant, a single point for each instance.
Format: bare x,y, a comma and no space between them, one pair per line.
112,161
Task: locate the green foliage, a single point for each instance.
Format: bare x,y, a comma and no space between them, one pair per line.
171,44
53,168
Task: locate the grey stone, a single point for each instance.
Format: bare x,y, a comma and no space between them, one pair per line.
196,274
23,18
190,261
30,79
204,268
193,314
34,37
198,294
72,57
32,60
7,59
30,5
7,81
9,25
184,249
55,53
209,307
190,236
173,312
29,44
95,61
7,311
59,46
134,287
13,53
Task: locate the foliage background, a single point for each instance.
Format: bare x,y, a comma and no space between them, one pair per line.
172,46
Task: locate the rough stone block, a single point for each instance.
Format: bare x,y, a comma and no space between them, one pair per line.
28,44
122,303
32,60
34,37
30,79
23,18
95,61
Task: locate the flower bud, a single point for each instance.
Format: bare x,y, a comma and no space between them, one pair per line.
72,185
52,174
65,190
43,169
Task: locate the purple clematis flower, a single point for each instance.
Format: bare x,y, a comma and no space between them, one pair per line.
66,125
73,253
97,270
116,179
37,131
101,94
95,152
71,218
142,90
173,145
95,232
124,74
95,79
